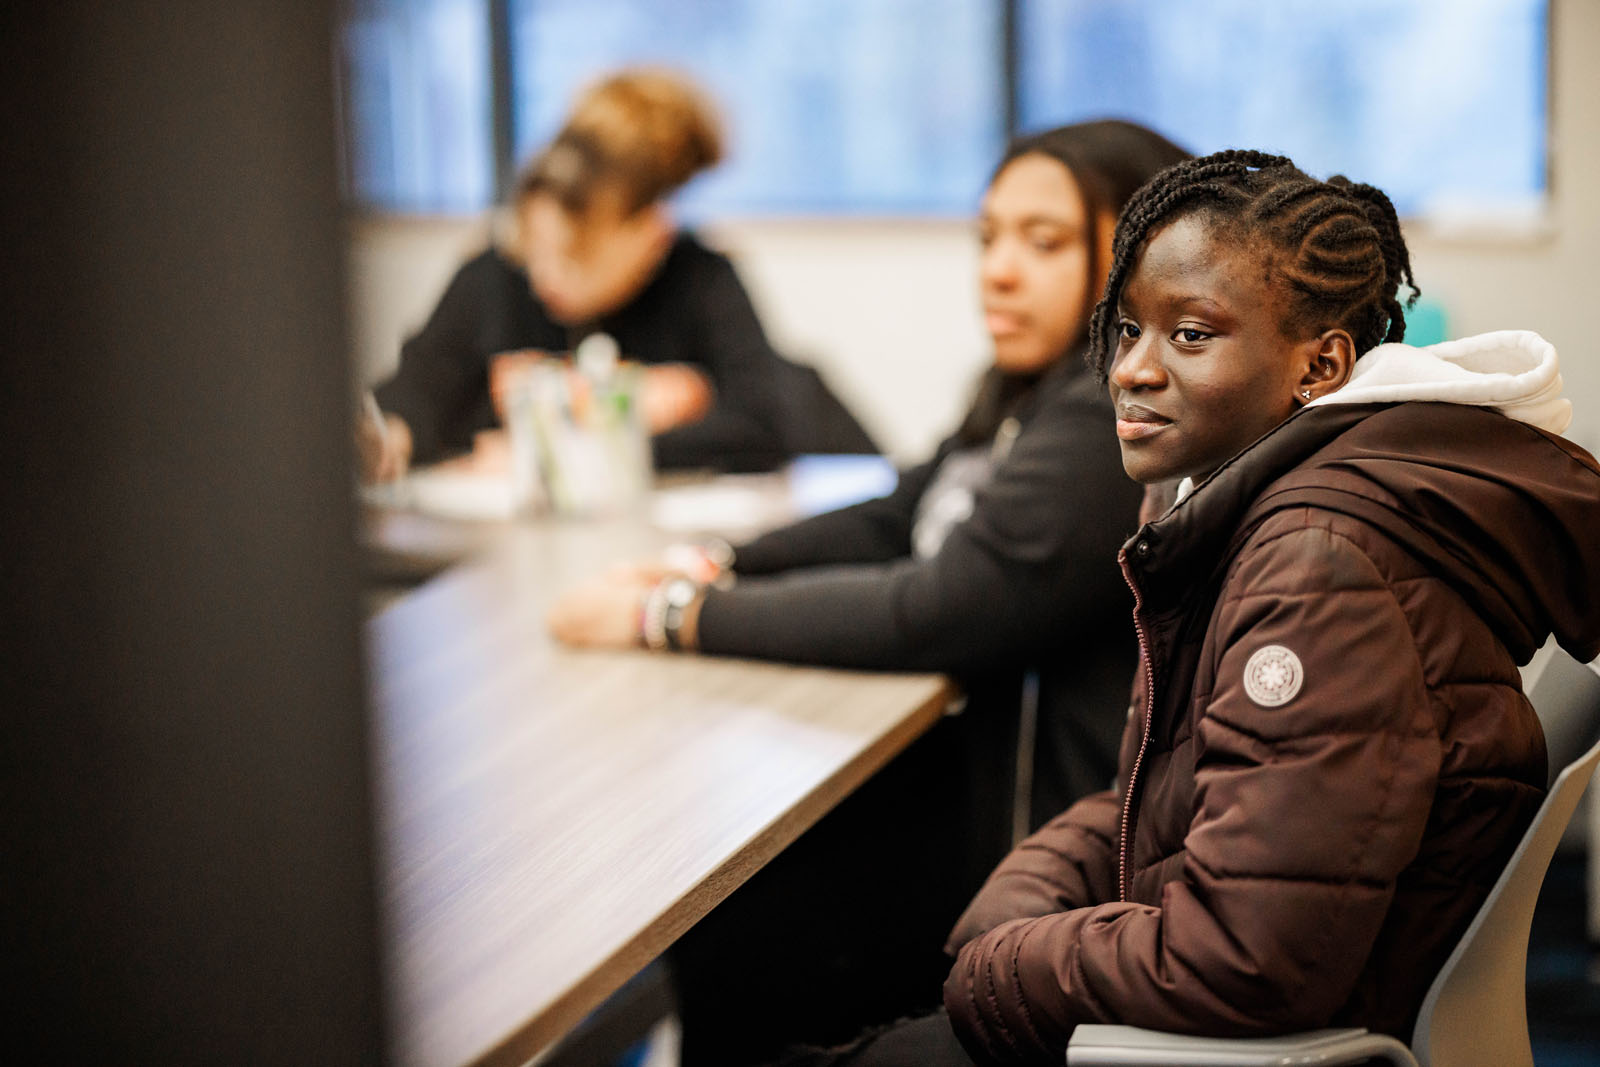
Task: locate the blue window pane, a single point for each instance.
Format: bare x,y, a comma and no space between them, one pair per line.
418,131
1440,103
837,106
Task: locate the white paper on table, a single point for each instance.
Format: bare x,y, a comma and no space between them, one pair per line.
718,506
742,504
450,494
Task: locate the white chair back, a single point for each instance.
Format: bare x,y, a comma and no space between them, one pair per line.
1476,1011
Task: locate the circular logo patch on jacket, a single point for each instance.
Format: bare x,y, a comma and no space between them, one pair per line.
1272,676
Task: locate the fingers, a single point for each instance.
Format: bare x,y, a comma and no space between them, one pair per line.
646,572
369,452
506,371
601,614
674,394
396,449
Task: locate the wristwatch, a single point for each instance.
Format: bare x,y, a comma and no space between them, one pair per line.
678,594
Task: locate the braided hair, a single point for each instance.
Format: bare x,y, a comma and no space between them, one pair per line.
1336,243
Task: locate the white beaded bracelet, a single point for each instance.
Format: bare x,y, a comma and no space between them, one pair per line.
653,620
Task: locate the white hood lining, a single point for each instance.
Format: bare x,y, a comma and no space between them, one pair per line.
1515,372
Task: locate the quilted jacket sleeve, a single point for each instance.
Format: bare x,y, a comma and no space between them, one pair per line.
1070,862
1303,816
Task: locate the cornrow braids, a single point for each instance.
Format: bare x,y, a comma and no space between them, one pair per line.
1336,243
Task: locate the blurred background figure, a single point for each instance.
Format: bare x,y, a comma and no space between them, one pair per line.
594,248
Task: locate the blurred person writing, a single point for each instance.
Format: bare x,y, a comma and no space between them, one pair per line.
596,250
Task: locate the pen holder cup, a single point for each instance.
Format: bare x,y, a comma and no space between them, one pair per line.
578,445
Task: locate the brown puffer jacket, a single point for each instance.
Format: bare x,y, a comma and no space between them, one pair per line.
1329,757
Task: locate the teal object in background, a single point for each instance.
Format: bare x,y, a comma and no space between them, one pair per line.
1427,324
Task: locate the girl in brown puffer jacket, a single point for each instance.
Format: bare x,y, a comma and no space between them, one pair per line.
1329,757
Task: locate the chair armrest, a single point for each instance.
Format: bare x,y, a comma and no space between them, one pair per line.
1095,1045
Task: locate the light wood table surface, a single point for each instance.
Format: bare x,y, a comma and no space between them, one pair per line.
551,819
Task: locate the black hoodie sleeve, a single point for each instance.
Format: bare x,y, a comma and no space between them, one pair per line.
441,387
868,532
1034,566
742,430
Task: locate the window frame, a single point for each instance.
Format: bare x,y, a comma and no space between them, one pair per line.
1538,228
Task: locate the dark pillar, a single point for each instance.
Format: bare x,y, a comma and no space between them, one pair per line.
185,842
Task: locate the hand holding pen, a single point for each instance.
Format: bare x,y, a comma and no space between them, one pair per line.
383,442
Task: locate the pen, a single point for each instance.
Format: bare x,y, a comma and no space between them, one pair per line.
375,413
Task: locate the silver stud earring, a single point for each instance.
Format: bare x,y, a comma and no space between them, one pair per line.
1306,393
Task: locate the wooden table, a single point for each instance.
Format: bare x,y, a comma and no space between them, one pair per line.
552,819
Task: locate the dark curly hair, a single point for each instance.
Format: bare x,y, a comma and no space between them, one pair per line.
1336,243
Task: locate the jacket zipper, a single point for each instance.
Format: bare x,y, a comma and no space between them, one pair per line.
1123,886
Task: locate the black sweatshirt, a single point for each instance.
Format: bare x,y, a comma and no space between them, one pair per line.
694,310
1028,582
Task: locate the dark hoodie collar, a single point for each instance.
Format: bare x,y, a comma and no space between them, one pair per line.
1503,512
1171,555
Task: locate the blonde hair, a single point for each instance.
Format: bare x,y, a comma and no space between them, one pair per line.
643,131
